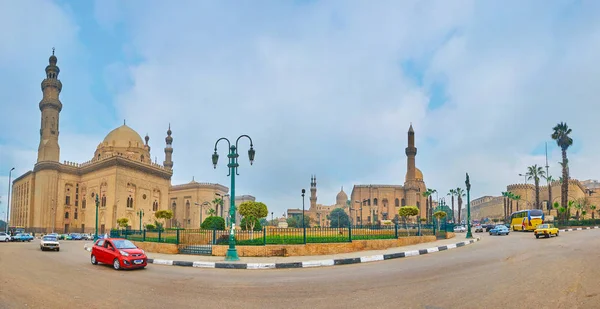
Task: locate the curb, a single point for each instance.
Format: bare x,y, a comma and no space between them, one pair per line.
580,229
309,264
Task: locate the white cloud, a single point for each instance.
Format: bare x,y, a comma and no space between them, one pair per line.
320,89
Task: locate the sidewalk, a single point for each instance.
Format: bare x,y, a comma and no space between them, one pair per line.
309,261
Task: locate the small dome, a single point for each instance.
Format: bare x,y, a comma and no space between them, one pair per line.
418,175
124,137
341,198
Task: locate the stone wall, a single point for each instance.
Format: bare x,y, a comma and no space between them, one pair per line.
322,249
157,247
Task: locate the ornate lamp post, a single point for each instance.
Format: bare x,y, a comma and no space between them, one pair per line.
468,184
8,200
141,214
303,224
97,205
201,205
232,254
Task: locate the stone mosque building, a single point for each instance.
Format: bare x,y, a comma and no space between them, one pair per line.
61,197
369,204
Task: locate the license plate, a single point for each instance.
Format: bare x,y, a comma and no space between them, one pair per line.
138,261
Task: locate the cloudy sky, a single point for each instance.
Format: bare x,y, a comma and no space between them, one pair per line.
322,87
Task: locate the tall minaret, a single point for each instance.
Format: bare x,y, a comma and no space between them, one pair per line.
50,106
169,150
410,185
313,192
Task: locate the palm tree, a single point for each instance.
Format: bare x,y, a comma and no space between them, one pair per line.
549,180
218,201
536,172
504,196
593,209
517,198
429,198
452,193
460,193
564,141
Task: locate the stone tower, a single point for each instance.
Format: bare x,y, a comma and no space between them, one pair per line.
50,106
313,192
169,150
411,186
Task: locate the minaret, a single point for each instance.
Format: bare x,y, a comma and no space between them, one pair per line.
169,150
50,106
313,192
410,185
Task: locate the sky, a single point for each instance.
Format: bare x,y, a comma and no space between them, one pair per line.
322,87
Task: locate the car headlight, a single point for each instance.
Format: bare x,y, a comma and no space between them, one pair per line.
123,253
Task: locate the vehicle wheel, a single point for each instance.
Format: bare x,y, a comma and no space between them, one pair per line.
94,260
490,233
537,236
58,249
116,264
6,240
556,234
41,248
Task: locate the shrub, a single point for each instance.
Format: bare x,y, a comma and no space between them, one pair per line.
213,223
150,226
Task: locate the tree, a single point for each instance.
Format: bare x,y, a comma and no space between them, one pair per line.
122,222
460,193
439,215
339,218
428,194
408,211
256,225
504,197
164,215
549,180
297,221
263,222
564,141
517,198
452,193
534,173
593,210
253,211
495,220
211,212
213,223
217,202
150,226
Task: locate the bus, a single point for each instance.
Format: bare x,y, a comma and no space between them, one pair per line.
526,220
14,230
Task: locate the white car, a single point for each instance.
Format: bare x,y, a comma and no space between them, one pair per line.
49,242
460,229
4,237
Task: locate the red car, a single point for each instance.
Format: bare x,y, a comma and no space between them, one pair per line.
121,253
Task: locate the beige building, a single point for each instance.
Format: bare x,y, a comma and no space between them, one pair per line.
493,206
369,204
57,196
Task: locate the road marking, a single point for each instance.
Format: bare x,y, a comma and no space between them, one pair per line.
203,264
451,246
260,265
318,263
411,253
431,250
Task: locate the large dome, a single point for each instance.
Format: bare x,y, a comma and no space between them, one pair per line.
123,137
341,198
418,175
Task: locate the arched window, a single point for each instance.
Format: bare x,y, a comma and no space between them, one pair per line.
174,209
187,209
419,205
403,202
75,215
397,203
142,158
83,204
103,201
375,201
66,215
155,206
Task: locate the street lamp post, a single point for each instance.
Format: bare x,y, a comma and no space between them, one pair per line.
303,224
97,205
468,184
201,205
141,214
272,220
8,200
232,254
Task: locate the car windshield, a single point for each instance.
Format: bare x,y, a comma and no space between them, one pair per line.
542,226
49,238
124,244
536,213
500,226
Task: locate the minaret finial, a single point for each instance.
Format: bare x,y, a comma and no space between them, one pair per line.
52,51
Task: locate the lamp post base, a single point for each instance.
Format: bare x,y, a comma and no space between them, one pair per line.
232,255
469,235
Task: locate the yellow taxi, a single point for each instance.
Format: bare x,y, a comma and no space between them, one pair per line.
545,230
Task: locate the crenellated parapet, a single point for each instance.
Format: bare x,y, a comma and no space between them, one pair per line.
520,186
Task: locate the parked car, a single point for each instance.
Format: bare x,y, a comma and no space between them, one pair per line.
22,237
546,230
499,230
460,229
49,243
121,253
479,229
87,237
4,237
75,236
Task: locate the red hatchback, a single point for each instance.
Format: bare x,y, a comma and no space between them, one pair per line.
121,253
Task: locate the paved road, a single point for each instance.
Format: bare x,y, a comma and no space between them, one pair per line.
515,271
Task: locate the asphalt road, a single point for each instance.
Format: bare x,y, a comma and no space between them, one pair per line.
515,271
